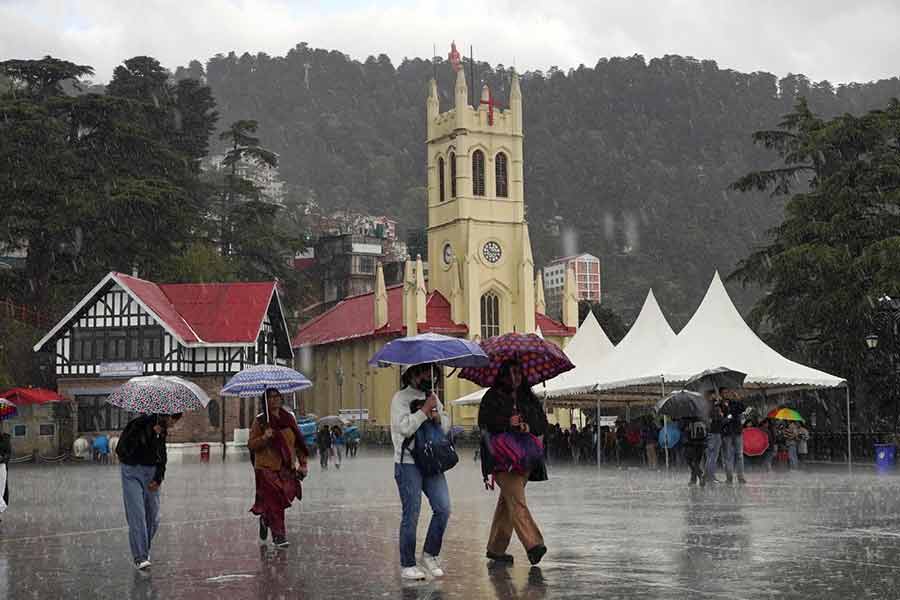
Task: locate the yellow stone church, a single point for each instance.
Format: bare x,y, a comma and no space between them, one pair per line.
481,279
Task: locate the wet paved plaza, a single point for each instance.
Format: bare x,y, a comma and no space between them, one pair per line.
610,534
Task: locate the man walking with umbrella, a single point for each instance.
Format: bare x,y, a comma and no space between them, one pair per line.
142,452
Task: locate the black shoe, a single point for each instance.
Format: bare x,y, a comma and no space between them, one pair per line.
501,558
537,553
280,542
263,530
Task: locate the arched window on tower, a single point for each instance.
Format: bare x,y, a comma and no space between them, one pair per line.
441,182
501,170
452,175
478,173
490,315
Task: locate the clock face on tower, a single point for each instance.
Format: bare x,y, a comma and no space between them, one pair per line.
492,252
448,253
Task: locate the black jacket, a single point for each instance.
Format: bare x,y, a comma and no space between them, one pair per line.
733,425
5,448
140,445
494,415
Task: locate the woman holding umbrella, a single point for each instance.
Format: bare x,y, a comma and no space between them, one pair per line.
513,418
279,459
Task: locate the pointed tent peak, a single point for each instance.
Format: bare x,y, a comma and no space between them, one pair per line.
590,338
651,324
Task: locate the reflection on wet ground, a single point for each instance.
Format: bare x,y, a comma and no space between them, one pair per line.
610,534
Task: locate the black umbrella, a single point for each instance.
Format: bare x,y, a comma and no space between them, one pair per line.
682,404
716,379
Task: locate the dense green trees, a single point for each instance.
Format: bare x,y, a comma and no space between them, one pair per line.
642,151
838,249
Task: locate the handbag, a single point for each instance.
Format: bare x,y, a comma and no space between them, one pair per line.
433,451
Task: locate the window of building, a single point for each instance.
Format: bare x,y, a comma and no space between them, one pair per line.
19,430
490,315
441,181
501,172
96,414
92,345
452,175
47,429
478,173
364,264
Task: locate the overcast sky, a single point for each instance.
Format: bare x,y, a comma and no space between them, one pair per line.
847,40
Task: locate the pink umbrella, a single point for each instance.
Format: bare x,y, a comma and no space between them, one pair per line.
541,360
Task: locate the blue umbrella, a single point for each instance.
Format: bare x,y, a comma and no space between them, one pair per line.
255,380
430,348
669,436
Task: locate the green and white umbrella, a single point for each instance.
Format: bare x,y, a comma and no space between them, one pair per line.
157,394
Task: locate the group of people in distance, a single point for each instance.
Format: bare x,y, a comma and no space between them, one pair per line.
512,422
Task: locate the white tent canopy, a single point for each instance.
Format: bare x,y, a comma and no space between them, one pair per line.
589,351
717,335
632,362
590,347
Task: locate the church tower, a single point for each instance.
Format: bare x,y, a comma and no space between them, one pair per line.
479,250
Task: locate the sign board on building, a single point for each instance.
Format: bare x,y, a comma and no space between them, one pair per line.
354,414
120,369
366,248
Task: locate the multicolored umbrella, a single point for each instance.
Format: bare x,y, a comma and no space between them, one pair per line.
7,409
541,360
756,441
156,394
785,414
430,348
255,380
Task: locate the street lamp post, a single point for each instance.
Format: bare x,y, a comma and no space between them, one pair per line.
887,317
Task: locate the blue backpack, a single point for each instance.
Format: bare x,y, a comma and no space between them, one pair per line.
433,451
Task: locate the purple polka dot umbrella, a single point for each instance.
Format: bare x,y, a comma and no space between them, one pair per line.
541,360
155,394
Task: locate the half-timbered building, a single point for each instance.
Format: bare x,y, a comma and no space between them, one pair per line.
126,326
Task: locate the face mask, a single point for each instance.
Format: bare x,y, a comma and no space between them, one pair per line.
424,386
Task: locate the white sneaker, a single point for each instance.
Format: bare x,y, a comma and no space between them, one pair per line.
433,564
141,565
412,573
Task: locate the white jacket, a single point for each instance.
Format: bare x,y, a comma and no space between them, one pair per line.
404,423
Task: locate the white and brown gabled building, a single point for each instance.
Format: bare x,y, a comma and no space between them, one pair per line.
204,332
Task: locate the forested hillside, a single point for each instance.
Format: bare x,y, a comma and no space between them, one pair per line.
632,157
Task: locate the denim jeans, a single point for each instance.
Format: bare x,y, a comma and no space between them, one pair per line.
713,444
411,485
141,508
733,447
793,459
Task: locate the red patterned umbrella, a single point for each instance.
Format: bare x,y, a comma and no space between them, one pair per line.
23,396
541,360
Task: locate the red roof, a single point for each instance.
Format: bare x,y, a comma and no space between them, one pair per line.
354,317
215,313
552,327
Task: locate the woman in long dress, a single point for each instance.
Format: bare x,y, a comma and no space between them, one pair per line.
279,460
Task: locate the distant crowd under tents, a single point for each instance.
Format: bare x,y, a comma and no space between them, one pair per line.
651,360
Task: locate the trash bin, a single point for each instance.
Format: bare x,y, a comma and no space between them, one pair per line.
885,457
204,453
